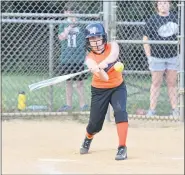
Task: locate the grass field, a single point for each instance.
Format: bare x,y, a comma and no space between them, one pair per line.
137,86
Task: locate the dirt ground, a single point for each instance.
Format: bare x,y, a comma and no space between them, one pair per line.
52,147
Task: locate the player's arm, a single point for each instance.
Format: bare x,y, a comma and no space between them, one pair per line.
112,57
63,32
147,31
147,47
114,53
93,66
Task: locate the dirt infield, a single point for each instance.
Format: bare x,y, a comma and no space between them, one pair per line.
52,147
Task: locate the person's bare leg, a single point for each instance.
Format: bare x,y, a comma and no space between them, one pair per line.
80,91
69,92
157,78
171,80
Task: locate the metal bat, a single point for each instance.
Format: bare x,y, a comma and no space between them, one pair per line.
54,80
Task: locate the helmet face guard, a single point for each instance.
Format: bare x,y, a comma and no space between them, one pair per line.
97,45
96,38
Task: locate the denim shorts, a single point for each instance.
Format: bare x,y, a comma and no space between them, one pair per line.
159,64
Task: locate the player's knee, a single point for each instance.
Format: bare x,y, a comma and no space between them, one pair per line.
94,128
121,116
98,129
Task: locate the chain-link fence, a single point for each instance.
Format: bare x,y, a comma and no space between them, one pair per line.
34,48
32,51
149,49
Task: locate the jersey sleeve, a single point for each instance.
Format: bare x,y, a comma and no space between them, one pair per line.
60,29
174,16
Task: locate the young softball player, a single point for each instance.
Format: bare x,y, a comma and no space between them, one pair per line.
107,87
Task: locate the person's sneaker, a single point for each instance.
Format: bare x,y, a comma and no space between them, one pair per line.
151,112
85,146
175,113
84,108
122,153
65,108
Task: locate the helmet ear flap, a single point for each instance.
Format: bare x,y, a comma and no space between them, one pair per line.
88,45
105,38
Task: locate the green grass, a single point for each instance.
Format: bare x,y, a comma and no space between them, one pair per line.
13,84
137,87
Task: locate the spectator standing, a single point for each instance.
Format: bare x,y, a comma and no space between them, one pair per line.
73,52
162,58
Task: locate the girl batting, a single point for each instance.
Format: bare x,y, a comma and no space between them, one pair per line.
107,87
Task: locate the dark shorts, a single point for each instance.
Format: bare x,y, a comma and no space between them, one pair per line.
100,100
70,68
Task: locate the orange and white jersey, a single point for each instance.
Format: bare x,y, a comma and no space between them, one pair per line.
115,78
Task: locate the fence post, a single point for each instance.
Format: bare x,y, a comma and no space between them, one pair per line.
106,9
51,42
110,27
182,64
113,20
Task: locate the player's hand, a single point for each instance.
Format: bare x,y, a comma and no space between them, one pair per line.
72,22
67,29
94,69
103,65
61,36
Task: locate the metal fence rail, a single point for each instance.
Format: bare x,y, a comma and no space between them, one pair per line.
50,15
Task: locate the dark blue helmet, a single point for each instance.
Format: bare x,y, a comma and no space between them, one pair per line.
95,30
